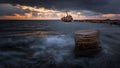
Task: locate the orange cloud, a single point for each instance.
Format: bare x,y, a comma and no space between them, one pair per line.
109,15
36,13
49,13
18,16
28,15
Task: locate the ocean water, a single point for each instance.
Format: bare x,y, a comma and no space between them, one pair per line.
50,44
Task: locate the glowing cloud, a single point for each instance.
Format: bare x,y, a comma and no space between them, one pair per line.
40,13
49,13
109,15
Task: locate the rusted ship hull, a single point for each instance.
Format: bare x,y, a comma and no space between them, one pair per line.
66,19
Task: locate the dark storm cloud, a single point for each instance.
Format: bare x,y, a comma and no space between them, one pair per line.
103,6
8,9
89,13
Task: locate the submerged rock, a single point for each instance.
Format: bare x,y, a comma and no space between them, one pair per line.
87,42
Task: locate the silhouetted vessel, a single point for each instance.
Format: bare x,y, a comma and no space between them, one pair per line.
67,18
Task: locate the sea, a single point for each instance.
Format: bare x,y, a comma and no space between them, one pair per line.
50,44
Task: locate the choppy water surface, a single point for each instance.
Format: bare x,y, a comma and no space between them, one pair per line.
50,44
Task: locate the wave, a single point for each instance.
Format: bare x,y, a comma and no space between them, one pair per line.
50,51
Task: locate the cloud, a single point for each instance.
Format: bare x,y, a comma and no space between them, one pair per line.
8,9
18,16
110,16
103,6
34,13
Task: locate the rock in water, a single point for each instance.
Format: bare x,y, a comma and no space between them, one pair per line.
87,42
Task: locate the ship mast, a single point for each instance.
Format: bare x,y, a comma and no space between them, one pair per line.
67,13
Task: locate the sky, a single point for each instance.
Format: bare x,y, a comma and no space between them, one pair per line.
55,9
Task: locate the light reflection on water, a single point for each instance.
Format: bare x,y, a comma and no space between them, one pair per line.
25,44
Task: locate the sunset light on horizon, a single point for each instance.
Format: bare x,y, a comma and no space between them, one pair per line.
41,13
